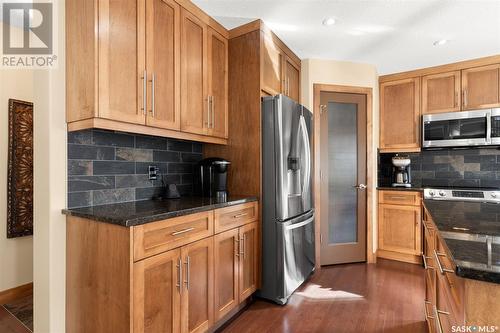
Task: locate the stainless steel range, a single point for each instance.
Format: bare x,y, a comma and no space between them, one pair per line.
456,194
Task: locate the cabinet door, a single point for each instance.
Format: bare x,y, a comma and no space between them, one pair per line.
121,60
272,63
400,115
292,79
441,92
197,297
218,83
156,295
480,87
248,260
194,99
399,229
163,63
226,252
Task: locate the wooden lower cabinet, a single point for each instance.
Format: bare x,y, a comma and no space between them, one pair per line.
157,293
236,262
399,227
190,288
248,260
198,286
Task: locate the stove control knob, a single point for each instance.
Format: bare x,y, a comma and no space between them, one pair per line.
494,195
431,193
442,193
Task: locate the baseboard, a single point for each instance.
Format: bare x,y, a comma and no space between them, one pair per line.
9,295
409,258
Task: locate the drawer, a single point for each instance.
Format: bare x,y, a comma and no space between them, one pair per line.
399,198
157,237
235,216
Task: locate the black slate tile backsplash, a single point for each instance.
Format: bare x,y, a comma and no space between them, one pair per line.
471,167
111,167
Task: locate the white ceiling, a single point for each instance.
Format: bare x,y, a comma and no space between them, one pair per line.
393,35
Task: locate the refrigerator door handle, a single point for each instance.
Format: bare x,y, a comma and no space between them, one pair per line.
300,224
307,152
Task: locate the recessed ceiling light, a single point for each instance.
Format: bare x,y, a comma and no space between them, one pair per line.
440,42
329,21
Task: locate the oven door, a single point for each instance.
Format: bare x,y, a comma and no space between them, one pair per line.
457,129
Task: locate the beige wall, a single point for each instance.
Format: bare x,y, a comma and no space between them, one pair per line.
49,240
16,254
347,74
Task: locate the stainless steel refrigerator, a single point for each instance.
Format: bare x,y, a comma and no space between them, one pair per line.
287,200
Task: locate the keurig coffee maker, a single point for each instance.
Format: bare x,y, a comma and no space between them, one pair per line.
211,178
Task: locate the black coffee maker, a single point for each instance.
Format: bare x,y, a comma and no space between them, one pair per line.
211,178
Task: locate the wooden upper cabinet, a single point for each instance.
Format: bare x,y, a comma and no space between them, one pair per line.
156,293
195,106
399,229
481,87
272,66
441,92
226,253
248,260
121,60
197,296
400,115
163,63
218,84
291,79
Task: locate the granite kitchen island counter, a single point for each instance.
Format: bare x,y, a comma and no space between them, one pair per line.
141,212
471,231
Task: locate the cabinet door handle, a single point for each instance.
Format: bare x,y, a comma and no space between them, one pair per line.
212,106
425,310
179,275
244,242
425,262
438,320
441,269
183,231
188,274
465,97
456,99
242,246
237,247
144,91
153,88
208,111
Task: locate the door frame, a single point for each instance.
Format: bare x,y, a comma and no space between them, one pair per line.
370,161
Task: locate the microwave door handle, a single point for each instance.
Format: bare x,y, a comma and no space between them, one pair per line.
488,127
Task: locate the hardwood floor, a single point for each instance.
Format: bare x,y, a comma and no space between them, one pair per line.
10,324
383,297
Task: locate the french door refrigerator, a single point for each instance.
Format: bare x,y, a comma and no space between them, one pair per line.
287,201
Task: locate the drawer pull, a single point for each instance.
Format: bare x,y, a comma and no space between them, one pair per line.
425,310
425,262
438,321
183,231
239,215
441,269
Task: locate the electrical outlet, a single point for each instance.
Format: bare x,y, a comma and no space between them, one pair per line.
153,172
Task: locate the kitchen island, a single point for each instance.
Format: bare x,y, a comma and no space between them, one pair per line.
462,261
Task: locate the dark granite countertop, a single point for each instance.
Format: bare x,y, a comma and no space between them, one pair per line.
141,212
390,188
471,231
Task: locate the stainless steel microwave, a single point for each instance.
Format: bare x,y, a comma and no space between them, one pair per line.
461,129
